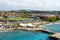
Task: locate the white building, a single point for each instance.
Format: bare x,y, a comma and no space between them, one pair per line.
30,25
23,25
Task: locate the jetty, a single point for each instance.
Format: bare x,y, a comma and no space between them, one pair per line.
35,29
55,36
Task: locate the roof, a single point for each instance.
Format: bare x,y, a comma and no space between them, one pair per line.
22,24
31,25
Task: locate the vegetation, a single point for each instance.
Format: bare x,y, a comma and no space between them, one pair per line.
17,18
28,13
5,16
52,19
15,25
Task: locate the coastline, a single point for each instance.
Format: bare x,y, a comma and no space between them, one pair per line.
38,28
51,23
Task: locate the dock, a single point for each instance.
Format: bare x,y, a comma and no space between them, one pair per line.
35,29
55,36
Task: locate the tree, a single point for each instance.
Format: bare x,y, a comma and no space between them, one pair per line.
5,16
15,25
52,19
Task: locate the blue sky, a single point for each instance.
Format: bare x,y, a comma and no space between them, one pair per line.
30,4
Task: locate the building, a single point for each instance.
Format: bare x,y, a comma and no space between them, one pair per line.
47,16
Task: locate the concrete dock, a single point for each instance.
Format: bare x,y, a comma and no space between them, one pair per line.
55,36
35,29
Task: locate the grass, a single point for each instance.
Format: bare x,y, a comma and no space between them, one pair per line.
17,18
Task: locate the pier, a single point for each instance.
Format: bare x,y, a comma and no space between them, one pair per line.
35,29
55,36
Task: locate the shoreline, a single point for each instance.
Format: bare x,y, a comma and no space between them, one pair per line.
29,29
32,29
51,23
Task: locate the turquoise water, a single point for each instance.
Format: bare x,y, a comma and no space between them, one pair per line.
23,35
54,27
26,35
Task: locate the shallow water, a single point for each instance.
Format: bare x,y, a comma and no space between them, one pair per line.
23,35
54,27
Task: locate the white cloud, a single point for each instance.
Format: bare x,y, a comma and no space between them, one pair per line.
30,4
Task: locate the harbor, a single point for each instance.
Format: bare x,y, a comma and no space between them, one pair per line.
29,26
